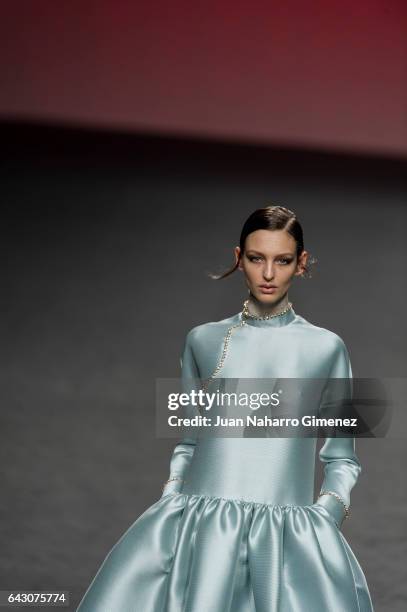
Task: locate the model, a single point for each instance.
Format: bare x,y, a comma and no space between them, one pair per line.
237,528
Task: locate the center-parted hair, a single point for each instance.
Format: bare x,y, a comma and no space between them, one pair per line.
270,218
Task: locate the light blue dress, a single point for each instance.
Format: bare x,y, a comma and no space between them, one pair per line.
243,533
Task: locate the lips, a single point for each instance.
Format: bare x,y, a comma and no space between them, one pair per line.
268,286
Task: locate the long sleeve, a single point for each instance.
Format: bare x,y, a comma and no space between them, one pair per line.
184,450
341,465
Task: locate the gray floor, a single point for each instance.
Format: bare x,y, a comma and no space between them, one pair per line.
104,273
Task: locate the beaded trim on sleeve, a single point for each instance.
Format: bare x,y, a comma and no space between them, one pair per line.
339,498
171,479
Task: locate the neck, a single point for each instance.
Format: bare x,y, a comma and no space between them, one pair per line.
259,309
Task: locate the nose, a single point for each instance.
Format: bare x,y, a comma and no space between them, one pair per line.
268,271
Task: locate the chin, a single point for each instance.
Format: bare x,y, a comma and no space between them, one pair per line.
267,299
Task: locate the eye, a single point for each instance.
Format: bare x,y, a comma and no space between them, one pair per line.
284,260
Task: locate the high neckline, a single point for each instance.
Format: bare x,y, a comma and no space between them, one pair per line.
279,321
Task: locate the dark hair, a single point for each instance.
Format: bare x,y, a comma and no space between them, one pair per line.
271,218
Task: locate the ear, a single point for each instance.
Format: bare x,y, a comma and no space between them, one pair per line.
237,255
302,262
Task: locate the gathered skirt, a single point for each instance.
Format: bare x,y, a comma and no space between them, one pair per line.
195,553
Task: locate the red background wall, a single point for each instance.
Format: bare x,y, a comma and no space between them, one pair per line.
311,74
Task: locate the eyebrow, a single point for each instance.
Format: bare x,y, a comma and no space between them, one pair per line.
278,254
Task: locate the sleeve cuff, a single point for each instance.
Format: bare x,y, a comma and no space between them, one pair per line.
174,486
333,506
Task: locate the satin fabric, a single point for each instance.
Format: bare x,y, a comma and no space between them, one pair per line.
243,533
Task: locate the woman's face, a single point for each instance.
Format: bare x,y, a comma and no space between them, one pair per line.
270,259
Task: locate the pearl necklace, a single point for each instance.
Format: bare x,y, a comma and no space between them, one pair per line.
248,315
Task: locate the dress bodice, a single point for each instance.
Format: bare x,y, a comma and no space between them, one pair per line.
272,470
